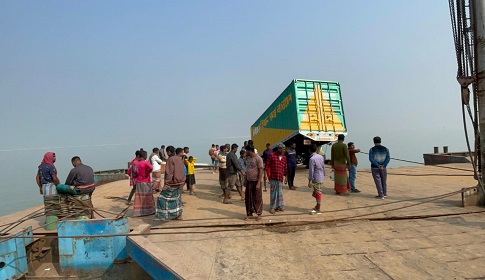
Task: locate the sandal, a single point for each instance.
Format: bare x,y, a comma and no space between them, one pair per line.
272,211
227,202
258,218
242,198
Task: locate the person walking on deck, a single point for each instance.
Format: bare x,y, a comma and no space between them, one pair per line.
144,203
277,172
169,202
233,169
254,178
291,162
156,162
133,174
379,158
353,166
316,174
340,161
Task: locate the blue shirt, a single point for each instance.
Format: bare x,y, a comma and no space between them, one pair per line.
379,155
316,168
46,171
266,154
291,157
242,163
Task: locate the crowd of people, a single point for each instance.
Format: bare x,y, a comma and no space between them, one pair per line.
246,174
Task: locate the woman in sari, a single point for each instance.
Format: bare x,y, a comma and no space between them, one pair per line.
340,161
169,202
144,203
156,172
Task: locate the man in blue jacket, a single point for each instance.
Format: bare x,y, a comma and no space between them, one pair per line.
379,157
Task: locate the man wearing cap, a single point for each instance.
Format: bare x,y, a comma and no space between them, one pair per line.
277,170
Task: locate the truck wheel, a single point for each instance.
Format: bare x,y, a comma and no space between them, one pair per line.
299,159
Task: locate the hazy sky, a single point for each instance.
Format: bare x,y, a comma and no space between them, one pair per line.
146,73
102,72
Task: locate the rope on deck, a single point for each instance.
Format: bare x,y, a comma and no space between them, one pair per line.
246,226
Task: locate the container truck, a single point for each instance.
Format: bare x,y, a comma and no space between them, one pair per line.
307,112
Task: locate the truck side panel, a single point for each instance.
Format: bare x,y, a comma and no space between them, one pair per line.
320,110
278,122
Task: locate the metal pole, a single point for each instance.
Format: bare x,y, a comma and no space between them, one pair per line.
477,12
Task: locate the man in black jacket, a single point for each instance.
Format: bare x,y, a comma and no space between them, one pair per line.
233,167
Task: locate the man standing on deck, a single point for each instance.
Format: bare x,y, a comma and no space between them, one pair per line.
340,162
379,157
163,154
47,181
265,156
222,157
144,203
277,171
251,143
267,152
291,162
211,154
169,202
353,166
254,178
185,156
316,173
47,175
233,168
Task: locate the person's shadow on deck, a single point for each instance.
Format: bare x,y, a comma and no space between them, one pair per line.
227,213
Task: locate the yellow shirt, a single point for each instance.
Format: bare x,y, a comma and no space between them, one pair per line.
190,166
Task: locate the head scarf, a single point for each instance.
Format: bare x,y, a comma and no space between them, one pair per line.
48,158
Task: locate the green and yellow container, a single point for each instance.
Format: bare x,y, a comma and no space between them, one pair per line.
306,112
